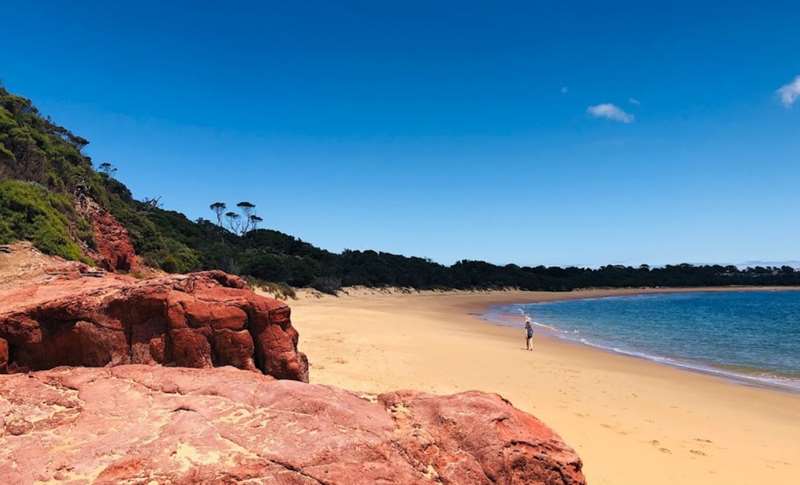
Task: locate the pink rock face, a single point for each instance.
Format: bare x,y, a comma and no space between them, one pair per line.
142,424
198,320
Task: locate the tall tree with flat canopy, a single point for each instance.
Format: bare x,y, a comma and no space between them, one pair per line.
254,221
234,221
219,209
248,211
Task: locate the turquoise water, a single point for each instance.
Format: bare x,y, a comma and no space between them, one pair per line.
749,336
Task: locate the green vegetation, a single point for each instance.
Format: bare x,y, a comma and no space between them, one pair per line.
34,149
42,168
29,211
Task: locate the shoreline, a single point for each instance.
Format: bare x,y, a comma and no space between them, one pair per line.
772,382
511,295
591,293
631,420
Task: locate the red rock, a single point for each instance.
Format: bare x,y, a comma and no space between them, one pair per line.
3,356
198,320
503,444
113,244
113,247
143,424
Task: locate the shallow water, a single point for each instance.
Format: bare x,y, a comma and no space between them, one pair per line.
752,336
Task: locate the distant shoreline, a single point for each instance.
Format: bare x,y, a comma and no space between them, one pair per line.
588,293
536,296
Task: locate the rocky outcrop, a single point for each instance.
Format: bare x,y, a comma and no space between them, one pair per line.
79,317
109,396
140,424
113,249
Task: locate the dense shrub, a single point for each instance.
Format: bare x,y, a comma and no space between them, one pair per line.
327,284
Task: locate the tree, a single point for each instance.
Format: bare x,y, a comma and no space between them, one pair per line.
234,221
219,209
108,169
248,211
151,203
238,223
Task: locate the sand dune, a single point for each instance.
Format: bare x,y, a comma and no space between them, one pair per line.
632,421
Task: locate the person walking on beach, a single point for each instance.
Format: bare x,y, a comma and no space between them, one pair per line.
528,333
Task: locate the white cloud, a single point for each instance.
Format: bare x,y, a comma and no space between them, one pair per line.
790,92
564,90
611,112
634,101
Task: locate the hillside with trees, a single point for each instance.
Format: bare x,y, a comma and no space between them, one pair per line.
43,169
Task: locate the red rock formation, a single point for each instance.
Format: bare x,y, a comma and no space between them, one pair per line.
139,424
475,437
113,243
147,423
113,247
3,356
197,320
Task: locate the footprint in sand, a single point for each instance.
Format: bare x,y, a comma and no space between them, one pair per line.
703,440
657,444
697,452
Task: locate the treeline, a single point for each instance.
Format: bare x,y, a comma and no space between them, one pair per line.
43,167
273,256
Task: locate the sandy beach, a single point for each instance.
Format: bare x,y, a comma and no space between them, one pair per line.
632,421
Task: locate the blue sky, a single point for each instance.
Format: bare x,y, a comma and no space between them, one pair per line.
526,132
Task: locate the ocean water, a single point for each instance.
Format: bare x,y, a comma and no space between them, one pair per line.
750,336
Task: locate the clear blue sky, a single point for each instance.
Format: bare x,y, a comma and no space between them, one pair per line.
529,132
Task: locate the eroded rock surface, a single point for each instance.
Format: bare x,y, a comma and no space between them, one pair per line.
78,317
140,424
113,247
